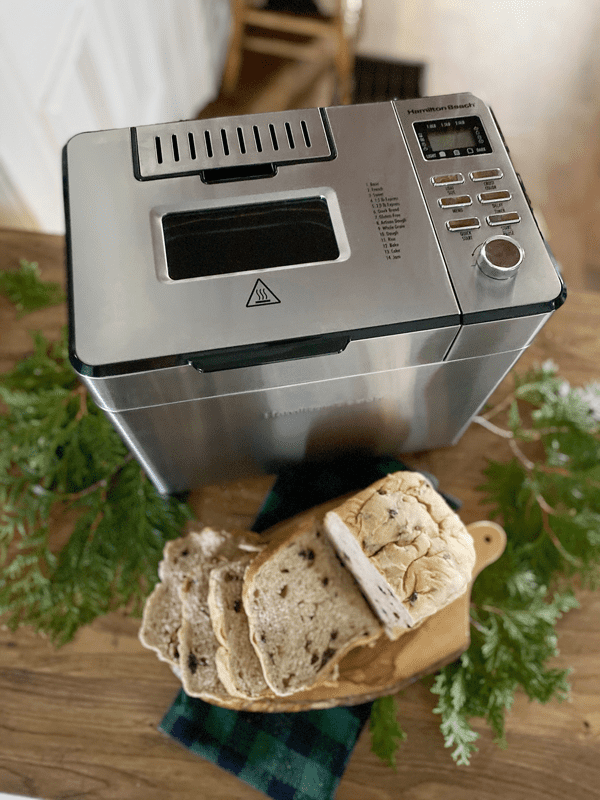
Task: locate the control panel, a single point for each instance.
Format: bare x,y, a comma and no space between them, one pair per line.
491,243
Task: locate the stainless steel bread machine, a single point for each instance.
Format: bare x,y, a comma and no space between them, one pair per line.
248,292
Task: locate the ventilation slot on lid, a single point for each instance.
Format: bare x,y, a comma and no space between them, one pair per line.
158,148
225,142
273,133
257,139
241,141
305,133
208,142
290,136
175,147
192,145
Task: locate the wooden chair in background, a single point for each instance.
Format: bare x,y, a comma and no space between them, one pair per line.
318,39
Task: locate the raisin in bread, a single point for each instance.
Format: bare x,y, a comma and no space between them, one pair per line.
237,663
408,550
305,611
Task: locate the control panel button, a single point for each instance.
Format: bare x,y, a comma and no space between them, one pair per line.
486,174
494,197
463,224
500,257
508,218
460,201
448,180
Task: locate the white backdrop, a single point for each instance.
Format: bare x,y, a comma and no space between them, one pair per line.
68,66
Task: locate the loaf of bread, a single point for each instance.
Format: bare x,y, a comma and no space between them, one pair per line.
408,550
238,618
305,611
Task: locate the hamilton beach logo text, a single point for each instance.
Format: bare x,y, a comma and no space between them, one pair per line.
309,409
431,109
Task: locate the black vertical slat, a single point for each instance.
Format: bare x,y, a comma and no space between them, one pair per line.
241,141
290,135
208,142
379,79
257,138
306,133
225,142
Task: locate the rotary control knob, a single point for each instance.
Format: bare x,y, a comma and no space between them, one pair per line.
500,257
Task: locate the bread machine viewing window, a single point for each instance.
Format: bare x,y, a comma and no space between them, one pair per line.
242,238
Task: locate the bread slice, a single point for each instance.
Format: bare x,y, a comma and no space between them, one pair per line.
408,550
162,611
305,611
238,666
188,555
160,622
197,642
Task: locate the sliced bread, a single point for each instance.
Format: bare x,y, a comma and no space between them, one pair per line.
162,611
197,643
186,556
160,622
238,665
305,611
408,550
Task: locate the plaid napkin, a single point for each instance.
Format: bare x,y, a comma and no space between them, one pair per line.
299,756
291,756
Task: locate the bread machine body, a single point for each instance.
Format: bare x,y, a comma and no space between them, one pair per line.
253,291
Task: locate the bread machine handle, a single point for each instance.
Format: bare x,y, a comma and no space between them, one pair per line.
269,352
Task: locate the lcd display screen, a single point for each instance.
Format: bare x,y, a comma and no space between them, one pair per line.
219,241
452,138
442,140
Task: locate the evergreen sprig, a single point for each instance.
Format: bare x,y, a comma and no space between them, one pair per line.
386,733
546,495
25,289
63,466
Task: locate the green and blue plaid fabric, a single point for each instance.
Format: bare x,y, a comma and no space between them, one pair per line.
291,756
299,756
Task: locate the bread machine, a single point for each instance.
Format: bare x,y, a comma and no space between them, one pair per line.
252,291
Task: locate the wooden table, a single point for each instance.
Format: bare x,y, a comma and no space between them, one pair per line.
80,721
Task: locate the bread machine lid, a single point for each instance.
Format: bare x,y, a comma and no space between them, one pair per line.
228,235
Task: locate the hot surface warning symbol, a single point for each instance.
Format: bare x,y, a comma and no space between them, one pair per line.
262,296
